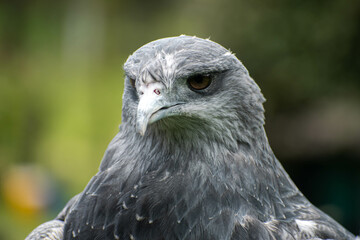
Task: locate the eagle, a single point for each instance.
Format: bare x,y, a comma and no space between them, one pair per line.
191,159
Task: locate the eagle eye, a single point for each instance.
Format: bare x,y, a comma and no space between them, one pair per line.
199,82
132,82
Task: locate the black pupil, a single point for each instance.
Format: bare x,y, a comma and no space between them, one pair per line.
197,79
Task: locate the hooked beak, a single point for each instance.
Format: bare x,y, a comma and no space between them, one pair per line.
153,107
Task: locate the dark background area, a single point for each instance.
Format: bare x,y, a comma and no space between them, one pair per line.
61,83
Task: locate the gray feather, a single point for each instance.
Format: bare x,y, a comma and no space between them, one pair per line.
52,230
203,169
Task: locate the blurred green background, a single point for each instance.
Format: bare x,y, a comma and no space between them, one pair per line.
61,85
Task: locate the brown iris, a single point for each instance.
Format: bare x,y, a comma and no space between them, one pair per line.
132,82
199,82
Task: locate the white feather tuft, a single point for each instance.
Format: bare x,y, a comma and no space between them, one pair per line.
306,226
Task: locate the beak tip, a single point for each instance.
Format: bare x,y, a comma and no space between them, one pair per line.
141,129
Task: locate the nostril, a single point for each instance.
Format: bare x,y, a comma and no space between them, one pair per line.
157,91
141,93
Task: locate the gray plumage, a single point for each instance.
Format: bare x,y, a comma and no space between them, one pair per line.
188,163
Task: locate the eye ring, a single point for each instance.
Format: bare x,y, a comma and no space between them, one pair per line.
199,82
132,82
